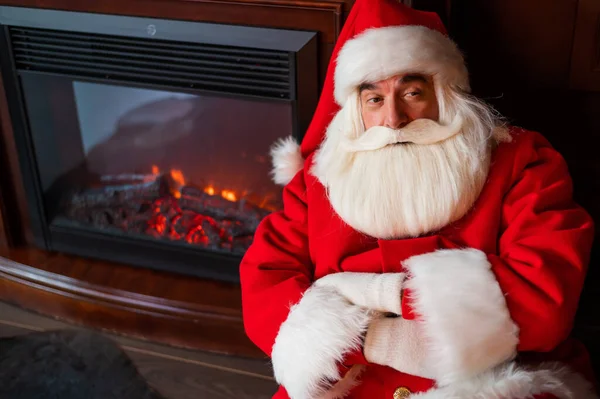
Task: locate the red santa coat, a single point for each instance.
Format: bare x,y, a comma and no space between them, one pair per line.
535,238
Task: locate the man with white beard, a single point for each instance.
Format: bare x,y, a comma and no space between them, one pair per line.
424,249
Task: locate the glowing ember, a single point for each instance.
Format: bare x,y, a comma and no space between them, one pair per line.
228,195
162,205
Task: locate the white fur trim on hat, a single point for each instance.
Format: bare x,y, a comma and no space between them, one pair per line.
381,53
462,311
287,160
318,333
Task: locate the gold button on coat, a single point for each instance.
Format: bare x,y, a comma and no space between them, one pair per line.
401,393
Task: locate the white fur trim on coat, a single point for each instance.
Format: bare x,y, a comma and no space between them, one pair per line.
381,53
463,313
318,333
511,381
287,160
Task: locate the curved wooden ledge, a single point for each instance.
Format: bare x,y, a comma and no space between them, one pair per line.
155,306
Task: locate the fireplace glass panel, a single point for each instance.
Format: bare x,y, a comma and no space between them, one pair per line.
188,169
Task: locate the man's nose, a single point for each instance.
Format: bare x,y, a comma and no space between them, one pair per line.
395,115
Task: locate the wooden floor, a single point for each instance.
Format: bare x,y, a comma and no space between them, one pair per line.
176,373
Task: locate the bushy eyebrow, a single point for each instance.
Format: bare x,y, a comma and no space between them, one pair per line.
413,78
366,86
404,80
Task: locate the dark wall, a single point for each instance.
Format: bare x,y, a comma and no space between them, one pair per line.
538,63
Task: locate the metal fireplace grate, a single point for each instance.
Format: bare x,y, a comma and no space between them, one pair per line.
264,73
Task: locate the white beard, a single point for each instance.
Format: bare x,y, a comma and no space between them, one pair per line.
404,190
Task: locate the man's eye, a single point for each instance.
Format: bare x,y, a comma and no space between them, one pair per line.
413,93
374,100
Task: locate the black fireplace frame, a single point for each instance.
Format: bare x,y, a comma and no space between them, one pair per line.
301,46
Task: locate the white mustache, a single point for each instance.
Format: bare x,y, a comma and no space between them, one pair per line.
419,131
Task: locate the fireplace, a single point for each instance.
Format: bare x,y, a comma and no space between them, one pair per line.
146,141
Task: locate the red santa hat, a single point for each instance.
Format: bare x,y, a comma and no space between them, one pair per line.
380,39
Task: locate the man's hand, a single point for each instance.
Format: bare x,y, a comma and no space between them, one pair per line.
390,341
380,292
398,343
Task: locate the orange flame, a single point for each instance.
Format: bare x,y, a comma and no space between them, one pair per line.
229,195
180,181
210,190
177,175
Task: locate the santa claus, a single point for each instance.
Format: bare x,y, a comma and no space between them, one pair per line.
424,249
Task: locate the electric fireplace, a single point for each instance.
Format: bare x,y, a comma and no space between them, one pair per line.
146,141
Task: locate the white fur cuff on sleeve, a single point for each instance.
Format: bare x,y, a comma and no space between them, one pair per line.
462,311
319,331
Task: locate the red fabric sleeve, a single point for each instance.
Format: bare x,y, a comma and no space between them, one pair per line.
543,249
276,269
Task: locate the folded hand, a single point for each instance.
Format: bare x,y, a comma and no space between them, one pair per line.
400,344
380,292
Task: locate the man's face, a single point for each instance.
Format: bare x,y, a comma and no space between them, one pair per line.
397,101
391,191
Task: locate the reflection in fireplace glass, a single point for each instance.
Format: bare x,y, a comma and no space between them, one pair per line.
188,169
